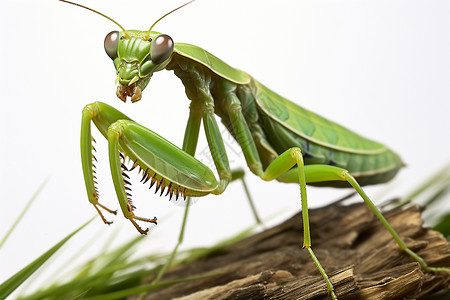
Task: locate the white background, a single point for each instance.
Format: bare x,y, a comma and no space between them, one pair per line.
381,68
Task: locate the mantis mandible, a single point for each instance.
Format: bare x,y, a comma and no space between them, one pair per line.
279,139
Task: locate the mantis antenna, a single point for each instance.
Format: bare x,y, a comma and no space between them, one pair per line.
147,36
125,32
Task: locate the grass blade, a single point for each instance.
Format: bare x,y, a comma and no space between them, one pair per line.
19,218
16,280
136,290
441,177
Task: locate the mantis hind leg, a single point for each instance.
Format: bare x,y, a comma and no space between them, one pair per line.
320,173
277,168
280,169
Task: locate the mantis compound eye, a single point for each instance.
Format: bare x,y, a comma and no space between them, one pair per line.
111,44
162,48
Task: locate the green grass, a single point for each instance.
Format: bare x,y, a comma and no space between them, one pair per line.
110,274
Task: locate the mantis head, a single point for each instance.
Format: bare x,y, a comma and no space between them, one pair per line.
136,55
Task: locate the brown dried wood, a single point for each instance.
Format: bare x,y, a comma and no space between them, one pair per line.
358,253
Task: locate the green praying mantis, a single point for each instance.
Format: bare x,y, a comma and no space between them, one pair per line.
279,139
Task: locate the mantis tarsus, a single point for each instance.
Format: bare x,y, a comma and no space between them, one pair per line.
279,139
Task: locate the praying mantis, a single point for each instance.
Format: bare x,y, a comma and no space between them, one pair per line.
279,139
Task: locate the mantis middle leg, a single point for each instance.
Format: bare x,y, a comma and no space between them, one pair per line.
189,146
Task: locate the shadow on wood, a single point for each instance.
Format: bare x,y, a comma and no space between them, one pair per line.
358,253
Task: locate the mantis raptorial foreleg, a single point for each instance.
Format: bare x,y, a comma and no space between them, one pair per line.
165,164
147,149
108,120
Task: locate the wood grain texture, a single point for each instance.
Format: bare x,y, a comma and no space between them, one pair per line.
358,253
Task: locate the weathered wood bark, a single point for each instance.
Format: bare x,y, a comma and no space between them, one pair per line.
358,253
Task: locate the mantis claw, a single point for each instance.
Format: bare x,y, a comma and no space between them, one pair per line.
114,212
141,231
181,177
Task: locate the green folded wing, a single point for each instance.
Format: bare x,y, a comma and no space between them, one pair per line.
313,127
212,62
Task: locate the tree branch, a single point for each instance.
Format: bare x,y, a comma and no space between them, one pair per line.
358,253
